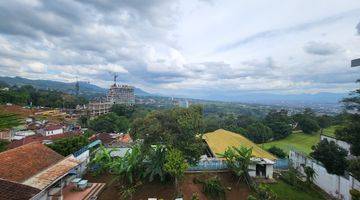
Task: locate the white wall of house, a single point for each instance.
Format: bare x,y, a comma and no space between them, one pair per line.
54,132
336,186
269,171
84,159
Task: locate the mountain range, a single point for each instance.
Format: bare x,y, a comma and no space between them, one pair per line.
90,90
86,89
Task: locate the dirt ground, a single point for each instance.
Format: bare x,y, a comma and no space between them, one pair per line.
166,190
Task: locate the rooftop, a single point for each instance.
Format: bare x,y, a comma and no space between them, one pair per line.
219,140
39,138
53,173
15,191
21,163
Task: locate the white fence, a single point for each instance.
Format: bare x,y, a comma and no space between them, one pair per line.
336,186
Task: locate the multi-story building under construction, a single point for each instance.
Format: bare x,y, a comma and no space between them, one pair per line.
118,94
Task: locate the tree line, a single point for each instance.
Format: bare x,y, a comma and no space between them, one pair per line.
28,95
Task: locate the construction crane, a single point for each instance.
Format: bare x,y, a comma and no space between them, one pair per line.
77,87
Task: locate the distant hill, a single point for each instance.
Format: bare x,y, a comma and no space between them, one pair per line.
86,89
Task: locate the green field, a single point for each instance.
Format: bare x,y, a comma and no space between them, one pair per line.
8,121
299,141
287,192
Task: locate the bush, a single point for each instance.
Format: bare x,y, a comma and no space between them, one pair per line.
355,194
212,188
277,152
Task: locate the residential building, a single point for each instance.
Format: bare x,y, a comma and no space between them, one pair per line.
52,129
10,190
220,140
43,174
5,135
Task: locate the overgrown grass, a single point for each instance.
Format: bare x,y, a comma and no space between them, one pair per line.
299,141
285,191
8,121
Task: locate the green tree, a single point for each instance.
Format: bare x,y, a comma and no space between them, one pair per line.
109,123
354,166
130,166
324,121
176,166
332,156
102,161
67,146
238,160
308,125
154,163
310,175
279,122
259,133
3,145
123,110
180,128
277,152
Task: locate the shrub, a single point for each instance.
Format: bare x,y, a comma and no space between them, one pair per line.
355,194
277,152
212,188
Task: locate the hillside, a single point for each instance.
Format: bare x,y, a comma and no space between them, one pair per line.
86,89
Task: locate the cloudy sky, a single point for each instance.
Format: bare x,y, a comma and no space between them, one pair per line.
190,48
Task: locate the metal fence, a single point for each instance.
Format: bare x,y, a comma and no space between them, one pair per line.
210,165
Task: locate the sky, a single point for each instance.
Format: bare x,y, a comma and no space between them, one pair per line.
192,48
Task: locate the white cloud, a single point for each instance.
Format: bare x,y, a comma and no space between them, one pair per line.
185,47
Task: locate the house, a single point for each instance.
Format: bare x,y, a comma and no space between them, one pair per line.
118,143
220,140
5,135
22,134
43,174
10,190
52,129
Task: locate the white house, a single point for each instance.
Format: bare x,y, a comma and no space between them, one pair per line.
220,140
52,130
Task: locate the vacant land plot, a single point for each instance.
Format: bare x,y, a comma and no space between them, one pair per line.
299,141
166,190
287,192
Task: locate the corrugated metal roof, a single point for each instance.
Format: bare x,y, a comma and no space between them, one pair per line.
52,174
219,140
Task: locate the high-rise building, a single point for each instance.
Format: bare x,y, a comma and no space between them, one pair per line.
118,94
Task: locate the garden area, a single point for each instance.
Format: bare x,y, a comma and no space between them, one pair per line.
166,190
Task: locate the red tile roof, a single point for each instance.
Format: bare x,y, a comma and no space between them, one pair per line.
50,175
15,191
53,127
40,138
21,163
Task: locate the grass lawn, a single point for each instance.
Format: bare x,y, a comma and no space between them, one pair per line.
287,192
299,141
330,131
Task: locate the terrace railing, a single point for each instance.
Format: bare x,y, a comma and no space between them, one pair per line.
209,165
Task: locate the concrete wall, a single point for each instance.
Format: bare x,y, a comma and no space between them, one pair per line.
336,186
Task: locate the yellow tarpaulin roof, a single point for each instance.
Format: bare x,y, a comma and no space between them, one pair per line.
219,140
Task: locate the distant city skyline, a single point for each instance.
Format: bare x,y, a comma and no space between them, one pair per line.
186,48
